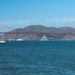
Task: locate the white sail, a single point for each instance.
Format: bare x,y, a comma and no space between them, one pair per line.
3,38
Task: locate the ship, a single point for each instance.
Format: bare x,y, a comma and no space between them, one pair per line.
44,38
19,39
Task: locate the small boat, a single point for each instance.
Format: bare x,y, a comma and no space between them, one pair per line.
2,41
44,38
19,40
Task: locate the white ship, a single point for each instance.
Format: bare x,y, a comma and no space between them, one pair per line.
19,40
2,41
44,38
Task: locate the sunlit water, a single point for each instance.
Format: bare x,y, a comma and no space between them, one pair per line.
37,58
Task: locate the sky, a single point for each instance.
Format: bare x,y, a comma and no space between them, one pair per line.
50,13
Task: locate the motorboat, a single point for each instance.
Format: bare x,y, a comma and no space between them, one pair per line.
19,40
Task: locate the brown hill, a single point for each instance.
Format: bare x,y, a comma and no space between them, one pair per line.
41,28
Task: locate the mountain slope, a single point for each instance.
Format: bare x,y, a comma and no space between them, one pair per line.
41,28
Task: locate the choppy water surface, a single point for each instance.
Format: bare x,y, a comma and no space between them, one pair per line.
37,58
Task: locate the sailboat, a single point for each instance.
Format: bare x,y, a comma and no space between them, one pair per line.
3,38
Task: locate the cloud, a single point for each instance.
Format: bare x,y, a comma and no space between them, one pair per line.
16,22
13,24
60,20
48,21
57,22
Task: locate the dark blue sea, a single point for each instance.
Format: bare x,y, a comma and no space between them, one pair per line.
37,58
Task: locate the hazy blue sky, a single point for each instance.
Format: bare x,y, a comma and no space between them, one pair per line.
21,13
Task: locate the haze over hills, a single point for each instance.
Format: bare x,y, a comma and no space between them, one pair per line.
41,28
65,32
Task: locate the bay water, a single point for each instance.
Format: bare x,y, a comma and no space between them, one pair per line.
37,58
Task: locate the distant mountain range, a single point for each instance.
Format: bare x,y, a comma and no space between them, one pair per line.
40,28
